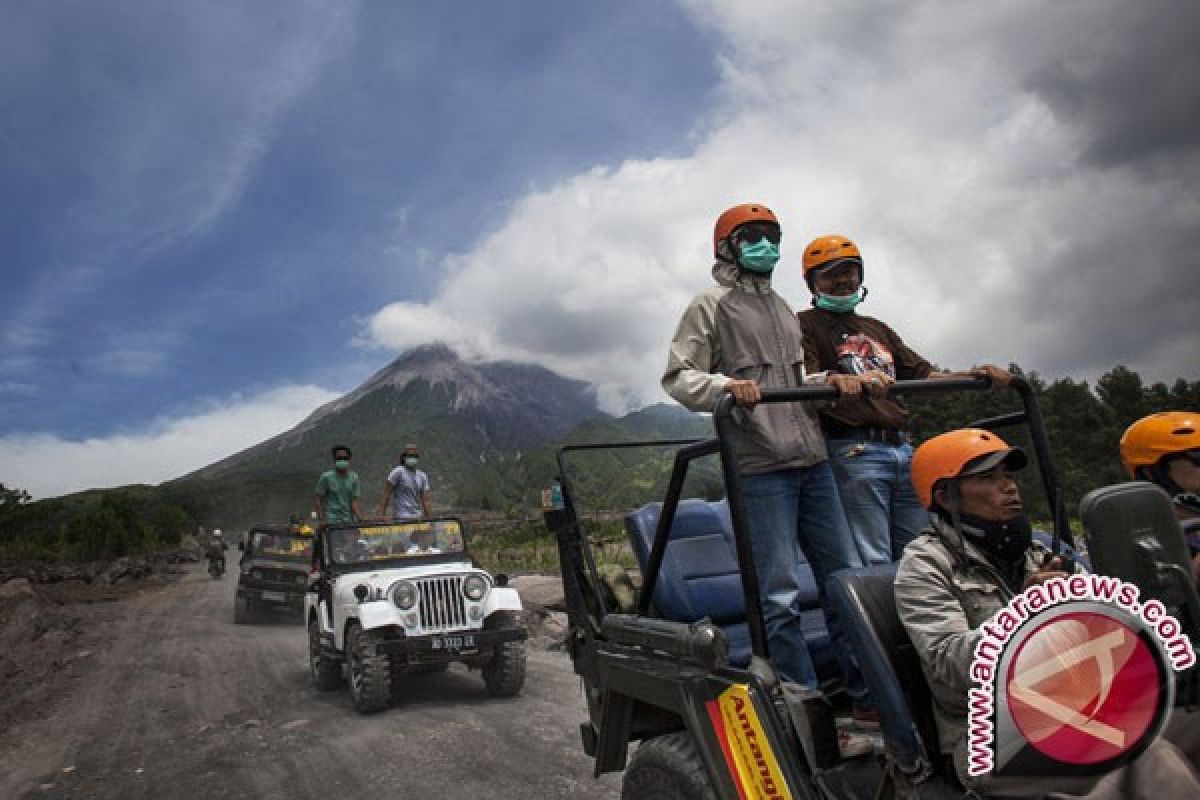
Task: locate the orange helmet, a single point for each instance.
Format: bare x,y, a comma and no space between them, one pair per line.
731,218
1146,441
957,454
825,249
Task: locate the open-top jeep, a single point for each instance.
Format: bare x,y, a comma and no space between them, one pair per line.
273,571
397,597
684,669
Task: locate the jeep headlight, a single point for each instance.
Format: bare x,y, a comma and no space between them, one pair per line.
474,587
404,594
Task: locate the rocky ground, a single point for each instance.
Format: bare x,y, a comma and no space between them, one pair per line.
131,681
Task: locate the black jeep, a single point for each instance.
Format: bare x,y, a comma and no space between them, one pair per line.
273,571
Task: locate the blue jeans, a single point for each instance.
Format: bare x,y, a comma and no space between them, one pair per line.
790,511
882,508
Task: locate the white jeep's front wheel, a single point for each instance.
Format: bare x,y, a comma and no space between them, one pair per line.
504,674
370,672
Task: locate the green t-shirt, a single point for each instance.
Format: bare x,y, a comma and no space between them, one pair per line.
337,492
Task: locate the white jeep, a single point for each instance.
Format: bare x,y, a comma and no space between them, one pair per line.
391,598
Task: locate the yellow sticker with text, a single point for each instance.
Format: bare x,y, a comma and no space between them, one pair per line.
748,752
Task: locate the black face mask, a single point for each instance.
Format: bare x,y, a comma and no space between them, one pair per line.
1004,541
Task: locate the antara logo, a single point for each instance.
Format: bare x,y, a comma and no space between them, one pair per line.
1079,670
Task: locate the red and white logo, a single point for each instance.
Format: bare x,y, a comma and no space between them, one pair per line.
1075,673
1084,688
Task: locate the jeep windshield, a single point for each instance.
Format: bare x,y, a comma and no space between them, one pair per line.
281,546
365,544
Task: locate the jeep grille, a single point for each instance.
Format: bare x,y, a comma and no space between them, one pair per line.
442,606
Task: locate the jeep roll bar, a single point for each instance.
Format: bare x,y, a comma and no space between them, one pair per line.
722,445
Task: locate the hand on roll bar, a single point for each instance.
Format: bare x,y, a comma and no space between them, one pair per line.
874,383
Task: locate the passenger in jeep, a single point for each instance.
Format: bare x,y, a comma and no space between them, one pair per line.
975,556
1164,449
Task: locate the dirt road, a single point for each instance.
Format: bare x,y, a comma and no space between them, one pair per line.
175,701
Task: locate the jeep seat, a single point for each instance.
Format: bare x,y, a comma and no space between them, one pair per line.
866,605
700,578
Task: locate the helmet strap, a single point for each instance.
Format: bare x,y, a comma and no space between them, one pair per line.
726,251
1159,475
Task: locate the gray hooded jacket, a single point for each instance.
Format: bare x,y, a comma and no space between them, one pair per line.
742,329
945,590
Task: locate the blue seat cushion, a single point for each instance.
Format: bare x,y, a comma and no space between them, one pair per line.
700,577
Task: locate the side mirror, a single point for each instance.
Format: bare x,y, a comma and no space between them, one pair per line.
1132,534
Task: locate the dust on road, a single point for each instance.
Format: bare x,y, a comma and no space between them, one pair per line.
173,700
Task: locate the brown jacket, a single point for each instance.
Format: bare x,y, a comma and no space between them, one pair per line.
853,344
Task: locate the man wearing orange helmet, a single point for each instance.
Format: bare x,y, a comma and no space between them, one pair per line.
740,337
977,553
1164,449
868,443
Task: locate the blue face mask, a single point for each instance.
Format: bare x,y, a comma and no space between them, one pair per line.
410,462
761,257
840,303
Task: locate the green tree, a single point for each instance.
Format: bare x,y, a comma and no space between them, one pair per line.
11,499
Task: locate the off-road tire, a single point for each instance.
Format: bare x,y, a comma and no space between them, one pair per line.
667,768
326,672
504,674
243,612
370,673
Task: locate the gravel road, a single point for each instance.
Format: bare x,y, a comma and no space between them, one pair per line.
175,701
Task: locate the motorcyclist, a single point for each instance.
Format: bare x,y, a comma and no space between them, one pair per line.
215,550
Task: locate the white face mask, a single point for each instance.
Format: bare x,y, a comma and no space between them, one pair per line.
410,462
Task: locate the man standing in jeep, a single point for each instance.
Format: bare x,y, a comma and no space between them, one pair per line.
406,490
337,492
740,337
867,437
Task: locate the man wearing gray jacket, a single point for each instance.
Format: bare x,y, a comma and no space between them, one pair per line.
741,337
977,554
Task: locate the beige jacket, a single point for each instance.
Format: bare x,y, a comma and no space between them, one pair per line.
742,329
946,589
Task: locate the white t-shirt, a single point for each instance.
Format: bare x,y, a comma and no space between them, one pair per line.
407,487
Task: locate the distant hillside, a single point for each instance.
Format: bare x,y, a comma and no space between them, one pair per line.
466,418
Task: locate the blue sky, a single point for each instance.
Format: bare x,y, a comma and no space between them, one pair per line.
217,216
206,200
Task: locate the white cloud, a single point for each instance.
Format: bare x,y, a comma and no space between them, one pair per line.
916,131
46,465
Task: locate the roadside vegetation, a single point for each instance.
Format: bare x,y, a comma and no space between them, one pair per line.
1084,424
97,525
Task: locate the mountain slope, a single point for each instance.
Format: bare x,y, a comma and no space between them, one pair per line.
464,417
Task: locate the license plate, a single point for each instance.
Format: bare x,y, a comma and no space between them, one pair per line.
278,597
453,643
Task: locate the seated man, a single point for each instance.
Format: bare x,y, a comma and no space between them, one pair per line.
1164,449
423,543
975,556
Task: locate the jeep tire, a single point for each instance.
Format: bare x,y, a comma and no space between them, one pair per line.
667,768
370,672
326,672
504,674
242,611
